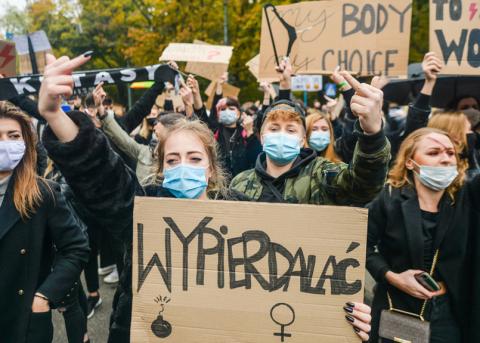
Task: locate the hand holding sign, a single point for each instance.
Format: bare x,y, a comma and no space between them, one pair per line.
358,315
431,66
285,71
366,104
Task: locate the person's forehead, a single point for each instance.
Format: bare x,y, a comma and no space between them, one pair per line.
183,142
435,140
7,124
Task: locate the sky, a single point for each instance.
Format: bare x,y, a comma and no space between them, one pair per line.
4,4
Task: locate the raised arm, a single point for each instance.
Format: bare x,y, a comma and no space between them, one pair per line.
364,178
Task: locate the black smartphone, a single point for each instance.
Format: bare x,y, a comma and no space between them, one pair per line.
427,281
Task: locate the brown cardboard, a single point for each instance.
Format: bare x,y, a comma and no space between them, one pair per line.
453,25
210,71
202,308
228,90
184,52
254,68
320,43
8,59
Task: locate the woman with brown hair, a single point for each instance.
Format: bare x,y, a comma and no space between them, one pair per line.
427,218
35,219
320,136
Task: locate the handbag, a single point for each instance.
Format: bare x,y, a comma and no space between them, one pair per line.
402,326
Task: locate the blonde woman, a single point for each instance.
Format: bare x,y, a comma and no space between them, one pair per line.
427,207
320,136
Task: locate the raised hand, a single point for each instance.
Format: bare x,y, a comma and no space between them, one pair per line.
57,82
367,103
431,66
285,71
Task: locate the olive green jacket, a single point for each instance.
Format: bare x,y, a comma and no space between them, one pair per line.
322,182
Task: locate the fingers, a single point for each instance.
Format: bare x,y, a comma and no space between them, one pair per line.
69,65
360,327
376,82
353,82
50,59
326,97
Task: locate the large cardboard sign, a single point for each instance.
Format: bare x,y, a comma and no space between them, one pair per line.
455,35
228,90
184,52
210,71
366,37
8,61
223,272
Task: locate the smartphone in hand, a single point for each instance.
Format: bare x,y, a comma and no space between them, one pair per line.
427,281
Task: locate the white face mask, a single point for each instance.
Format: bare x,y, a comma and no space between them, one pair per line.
436,178
11,153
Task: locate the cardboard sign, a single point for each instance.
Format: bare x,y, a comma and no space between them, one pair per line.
366,37
185,52
254,68
307,83
228,90
210,71
8,60
228,272
455,35
41,47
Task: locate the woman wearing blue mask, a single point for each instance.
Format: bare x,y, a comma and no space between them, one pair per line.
34,217
188,168
426,220
320,136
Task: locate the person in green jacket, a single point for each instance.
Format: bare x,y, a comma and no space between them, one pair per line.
286,172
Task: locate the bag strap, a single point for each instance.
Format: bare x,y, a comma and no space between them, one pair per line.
390,303
274,190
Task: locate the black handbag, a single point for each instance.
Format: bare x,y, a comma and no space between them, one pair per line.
402,326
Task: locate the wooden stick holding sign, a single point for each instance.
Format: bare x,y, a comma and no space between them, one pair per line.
245,272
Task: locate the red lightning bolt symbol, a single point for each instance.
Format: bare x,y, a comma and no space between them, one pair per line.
473,10
5,53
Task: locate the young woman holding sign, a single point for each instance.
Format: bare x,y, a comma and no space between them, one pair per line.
426,220
188,164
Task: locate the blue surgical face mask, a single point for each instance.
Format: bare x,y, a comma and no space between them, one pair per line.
227,117
436,178
319,140
11,153
185,181
281,148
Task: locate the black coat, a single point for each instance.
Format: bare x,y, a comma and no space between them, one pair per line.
106,187
29,264
395,228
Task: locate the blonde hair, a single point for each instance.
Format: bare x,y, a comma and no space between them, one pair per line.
454,124
399,176
283,115
329,152
217,184
26,191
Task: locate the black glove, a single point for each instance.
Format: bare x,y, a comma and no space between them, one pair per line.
165,73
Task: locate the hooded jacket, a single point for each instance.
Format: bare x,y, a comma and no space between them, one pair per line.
315,180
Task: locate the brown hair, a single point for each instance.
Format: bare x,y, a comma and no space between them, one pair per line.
282,114
217,183
26,192
329,152
399,176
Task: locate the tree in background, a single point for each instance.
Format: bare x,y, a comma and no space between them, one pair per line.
135,32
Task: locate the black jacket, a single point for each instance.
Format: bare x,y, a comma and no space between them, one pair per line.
106,187
237,153
28,263
395,228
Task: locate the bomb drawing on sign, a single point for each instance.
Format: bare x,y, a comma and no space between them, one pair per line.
160,327
284,315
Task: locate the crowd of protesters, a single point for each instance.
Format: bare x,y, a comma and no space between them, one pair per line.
70,169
